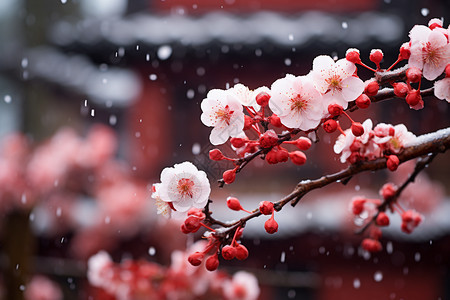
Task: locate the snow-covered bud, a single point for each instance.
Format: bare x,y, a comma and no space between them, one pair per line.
371,245
238,142
388,190
212,262
435,22
371,88
282,155
358,205
376,56
363,101
392,162
268,139
216,154
352,55
382,219
303,143
405,51
234,204
228,252
248,122
400,89
413,74
266,207
262,99
330,126
275,120
241,252
196,258
335,109
413,97
271,226
229,176
298,157
357,129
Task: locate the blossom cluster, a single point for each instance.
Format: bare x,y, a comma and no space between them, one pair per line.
142,279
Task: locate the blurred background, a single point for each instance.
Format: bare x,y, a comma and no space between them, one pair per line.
106,93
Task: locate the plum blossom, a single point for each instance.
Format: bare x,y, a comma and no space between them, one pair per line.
296,102
183,186
392,138
246,96
223,111
243,286
442,89
430,51
98,268
336,81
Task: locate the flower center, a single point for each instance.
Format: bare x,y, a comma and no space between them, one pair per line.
334,82
395,143
224,114
298,103
431,55
185,187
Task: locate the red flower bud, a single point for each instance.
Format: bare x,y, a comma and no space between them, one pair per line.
216,154
234,204
238,142
268,139
228,252
371,245
212,262
196,258
248,122
413,74
388,191
196,212
353,56
400,89
335,109
382,219
298,157
330,126
358,205
376,56
357,129
413,98
241,252
275,120
303,143
266,207
371,89
271,226
282,155
229,176
262,99
271,156
192,223
405,52
392,162
363,101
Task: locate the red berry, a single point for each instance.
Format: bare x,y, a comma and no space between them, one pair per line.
392,162
216,154
228,252
234,204
298,157
262,99
413,74
268,139
241,252
363,101
229,176
266,207
330,126
271,226
357,129
212,262
382,219
371,89
196,258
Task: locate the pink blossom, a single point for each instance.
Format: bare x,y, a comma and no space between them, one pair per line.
42,288
296,102
246,96
430,51
442,89
223,111
393,143
243,286
184,186
345,141
336,81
